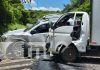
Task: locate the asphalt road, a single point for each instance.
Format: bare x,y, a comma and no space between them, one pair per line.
82,64
51,64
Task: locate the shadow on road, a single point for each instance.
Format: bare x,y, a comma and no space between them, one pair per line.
89,60
55,63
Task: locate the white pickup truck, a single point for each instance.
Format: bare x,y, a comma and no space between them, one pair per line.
81,34
12,41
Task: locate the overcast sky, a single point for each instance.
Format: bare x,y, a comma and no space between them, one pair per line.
51,5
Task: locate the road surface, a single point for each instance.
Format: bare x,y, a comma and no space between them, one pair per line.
50,64
83,64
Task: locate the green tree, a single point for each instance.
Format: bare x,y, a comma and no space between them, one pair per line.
78,5
14,16
5,15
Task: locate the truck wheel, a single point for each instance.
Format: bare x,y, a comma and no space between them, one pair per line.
69,54
15,50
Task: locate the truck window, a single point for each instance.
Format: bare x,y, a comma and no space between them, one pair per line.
78,18
67,20
77,27
43,28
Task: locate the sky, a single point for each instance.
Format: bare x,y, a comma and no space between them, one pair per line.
50,5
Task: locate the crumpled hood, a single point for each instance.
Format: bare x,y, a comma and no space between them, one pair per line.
14,32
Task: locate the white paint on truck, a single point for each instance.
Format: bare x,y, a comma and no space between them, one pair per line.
95,40
63,30
80,35
35,36
70,35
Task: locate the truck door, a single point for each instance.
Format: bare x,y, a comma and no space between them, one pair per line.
80,36
60,28
39,35
77,27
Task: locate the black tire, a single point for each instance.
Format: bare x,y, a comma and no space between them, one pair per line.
69,54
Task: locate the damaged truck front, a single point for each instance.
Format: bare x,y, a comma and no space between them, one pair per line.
35,37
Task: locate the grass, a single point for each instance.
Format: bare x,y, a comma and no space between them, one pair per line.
16,26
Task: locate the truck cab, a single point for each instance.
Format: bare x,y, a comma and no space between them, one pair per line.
69,35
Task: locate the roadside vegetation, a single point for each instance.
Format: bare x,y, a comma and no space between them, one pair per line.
14,16
78,5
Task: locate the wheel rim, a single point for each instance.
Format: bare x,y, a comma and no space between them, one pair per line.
15,50
69,55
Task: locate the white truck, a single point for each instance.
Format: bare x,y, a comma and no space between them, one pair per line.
12,41
81,34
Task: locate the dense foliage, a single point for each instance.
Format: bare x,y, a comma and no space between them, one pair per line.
14,16
10,13
78,5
